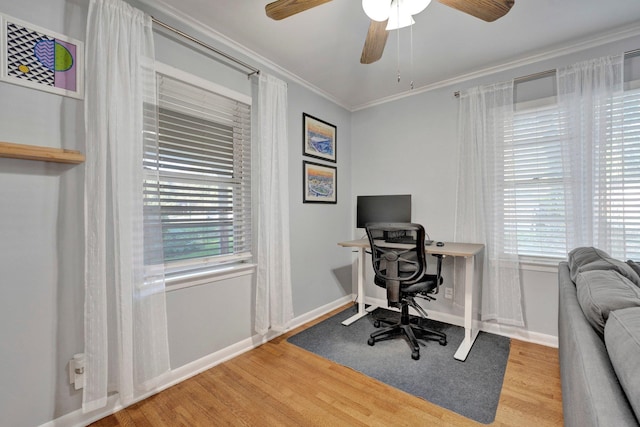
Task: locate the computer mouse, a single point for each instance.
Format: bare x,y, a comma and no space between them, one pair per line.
440,244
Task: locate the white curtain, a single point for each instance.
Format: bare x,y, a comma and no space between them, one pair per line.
274,304
126,345
587,93
485,115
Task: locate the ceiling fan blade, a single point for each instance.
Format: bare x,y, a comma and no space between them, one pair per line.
374,43
487,10
281,9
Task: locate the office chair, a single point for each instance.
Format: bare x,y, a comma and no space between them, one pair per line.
401,269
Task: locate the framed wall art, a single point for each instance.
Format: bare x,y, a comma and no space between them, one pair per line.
320,183
318,138
40,59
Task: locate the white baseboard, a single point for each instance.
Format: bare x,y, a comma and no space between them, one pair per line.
320,311
520,334
493,328
79,419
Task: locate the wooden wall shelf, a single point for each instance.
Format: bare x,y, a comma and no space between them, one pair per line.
34,152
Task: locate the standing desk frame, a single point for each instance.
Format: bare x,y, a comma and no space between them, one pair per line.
468,251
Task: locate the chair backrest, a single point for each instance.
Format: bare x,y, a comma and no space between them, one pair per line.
397,252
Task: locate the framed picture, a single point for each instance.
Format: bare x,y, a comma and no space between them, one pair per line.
40,59
318,138
320,183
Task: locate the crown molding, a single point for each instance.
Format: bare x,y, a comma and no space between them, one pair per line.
591,42
595,41
209,32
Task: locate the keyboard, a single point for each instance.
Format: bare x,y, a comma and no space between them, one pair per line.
401,239
407,240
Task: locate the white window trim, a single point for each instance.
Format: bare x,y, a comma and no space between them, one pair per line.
198,81
540,263
533,104
178,276
530,263
220,272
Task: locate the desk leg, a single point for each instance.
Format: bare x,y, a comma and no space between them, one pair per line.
469,334
360,297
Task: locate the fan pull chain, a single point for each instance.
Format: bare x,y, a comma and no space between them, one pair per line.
398,54
411,53
398,41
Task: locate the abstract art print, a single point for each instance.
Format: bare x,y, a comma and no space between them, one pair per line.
318,138
320,183
40,59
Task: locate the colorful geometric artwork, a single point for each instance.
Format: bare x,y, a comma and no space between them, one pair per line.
40,59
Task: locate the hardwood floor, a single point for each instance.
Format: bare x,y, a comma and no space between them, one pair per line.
279,384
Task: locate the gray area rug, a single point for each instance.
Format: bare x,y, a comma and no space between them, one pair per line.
470,388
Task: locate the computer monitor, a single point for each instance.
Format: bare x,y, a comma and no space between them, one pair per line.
385,208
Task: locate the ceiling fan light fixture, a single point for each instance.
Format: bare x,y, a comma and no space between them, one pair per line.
398,12
399,17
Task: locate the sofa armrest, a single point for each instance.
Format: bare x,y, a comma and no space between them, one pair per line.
591,394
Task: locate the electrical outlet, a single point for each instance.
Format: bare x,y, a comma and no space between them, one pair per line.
76,371
448,293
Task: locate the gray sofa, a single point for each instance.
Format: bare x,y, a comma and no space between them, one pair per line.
599,339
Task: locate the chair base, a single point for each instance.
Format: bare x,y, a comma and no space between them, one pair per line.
411,331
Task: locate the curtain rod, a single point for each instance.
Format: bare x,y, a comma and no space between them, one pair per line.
206,46
548,72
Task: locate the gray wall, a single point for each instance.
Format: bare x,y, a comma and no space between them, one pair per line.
314,228
41,243
41,232
41,216
415,137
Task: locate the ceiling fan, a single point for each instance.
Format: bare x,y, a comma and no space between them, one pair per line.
487,10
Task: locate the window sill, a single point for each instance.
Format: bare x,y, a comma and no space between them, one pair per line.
187,280
549,265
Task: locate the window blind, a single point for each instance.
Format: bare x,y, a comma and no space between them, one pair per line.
622,167
533,192
203,179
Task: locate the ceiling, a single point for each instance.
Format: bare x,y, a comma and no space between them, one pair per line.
322,46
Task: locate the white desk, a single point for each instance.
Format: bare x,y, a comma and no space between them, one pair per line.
466,250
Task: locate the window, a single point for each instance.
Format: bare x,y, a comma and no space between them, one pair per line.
623,176
534,204
204,165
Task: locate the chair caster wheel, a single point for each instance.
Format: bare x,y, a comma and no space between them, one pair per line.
443,341
371,341
376,323
415,355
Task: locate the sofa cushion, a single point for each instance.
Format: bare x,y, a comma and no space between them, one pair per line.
634,265
585,255
622,337
589,258
602,291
